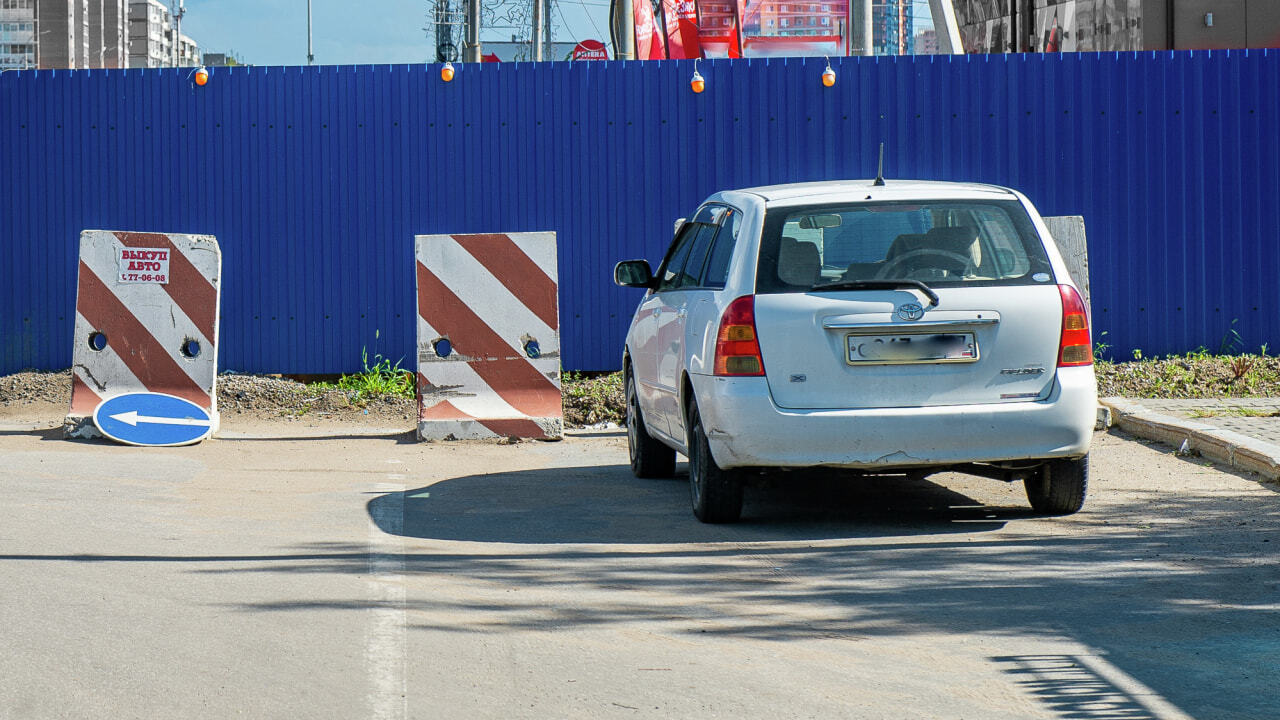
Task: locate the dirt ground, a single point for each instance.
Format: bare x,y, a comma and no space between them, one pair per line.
589,401
253,398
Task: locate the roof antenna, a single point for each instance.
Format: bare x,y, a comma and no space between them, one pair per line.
880,169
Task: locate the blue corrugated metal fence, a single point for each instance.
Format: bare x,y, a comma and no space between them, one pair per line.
315,180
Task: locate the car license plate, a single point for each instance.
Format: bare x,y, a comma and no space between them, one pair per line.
913,348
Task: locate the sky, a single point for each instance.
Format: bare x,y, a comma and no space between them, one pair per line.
348,32
345,32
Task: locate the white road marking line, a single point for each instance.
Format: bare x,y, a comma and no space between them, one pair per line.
385,644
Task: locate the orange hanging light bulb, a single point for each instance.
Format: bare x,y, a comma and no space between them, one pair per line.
202,76
446,72
828,76
697,82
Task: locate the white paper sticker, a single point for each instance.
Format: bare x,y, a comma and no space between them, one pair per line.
143,265
1040,277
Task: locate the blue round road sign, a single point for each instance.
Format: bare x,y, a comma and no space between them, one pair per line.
152,419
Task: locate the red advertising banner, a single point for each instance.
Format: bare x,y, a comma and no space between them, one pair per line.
681,18
649,44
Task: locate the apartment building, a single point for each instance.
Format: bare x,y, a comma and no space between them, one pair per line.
926,42
115,33
894,27
150,34
76,34
188,52
17,34
151,38
56,33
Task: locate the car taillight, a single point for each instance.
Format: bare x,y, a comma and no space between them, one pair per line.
1074,347
737,348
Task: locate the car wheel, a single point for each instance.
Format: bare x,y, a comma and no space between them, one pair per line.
1059,486
649,457
716,493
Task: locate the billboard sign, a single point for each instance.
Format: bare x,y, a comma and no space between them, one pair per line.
589,50
773,28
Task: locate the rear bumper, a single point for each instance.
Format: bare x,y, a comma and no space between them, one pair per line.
746,429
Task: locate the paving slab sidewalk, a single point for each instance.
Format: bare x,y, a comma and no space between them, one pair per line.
1241,432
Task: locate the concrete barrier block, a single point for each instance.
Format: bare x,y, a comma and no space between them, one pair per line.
147,309
488,336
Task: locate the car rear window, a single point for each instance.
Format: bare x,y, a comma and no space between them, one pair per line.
939,243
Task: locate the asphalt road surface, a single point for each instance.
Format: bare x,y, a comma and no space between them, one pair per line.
356,577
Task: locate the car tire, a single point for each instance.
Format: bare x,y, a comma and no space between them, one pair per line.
649,457
1059,486
716,493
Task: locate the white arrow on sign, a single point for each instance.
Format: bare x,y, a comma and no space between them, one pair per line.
133,418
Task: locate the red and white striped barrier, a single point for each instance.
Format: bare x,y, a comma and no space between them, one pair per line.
146,321
488,337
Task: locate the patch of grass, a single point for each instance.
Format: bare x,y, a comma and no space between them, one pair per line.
380,378
1251,412
1193,375
1233,412
594,398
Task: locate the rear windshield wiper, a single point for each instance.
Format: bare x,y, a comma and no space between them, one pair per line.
880,285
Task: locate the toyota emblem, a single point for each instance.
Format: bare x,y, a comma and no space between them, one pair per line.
910,311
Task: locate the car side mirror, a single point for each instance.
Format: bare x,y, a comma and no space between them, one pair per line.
633,273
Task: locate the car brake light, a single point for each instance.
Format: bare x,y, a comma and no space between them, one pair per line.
1074,346
737,348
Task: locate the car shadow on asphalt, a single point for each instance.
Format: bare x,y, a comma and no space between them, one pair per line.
607,504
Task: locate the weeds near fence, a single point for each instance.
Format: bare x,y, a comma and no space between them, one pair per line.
1241,366
1100,348
593,399
1231,340
1196,374
382,377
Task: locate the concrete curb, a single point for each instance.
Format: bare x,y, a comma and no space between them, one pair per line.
1225,446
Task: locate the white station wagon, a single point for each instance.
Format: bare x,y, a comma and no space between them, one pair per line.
895,327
